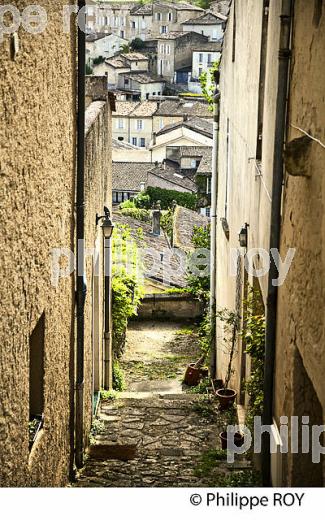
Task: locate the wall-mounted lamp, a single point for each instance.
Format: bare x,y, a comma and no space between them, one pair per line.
243,236
107,225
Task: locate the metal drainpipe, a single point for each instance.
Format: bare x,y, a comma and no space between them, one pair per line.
271,309
80,203
213,217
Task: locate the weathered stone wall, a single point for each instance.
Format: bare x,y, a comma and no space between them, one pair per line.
37,165
98,192
170,306
301,322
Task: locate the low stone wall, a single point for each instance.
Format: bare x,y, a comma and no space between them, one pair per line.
170,306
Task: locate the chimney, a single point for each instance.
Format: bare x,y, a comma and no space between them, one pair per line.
156,214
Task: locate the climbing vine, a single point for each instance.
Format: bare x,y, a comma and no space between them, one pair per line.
127,284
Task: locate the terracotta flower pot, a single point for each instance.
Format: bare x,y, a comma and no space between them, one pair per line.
192,375
238,440
226,397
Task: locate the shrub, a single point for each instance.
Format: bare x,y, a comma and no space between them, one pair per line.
127,286
137,213
166,198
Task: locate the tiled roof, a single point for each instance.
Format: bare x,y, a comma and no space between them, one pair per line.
205,19
142,77
171,174
172,107
117,63
145,109
134,56
179,6
171,267
141,9
184,222
205,166
173,35
124,108
127,176
93,37
202,126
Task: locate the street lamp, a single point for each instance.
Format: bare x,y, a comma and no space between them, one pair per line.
107,229
107,224
243,233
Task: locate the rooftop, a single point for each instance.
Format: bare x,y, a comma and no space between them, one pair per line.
124,108
143,77
184,222
127,176
93,37
170,270
179,6
174,35
171,174
145,109
206,19
134,56
141,9
183,107
123,145
116,63
197,124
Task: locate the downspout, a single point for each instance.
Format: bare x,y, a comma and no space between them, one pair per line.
271,306
80,203
213,217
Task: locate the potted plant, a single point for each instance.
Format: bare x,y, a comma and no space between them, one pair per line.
238,439
193,372
227,395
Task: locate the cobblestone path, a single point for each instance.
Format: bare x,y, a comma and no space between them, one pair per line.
154,434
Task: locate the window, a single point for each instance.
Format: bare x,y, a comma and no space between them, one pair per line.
210,59
170,17
167,49
163,29
208,185
201,58
132,25
120,123
142,142
200,71
207,212
158,16
36,379
122,34
134,141
120,138
139,124
126,81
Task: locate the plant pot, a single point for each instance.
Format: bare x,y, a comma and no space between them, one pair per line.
192,375
226,397
238,440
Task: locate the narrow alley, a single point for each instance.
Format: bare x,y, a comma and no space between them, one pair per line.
156,433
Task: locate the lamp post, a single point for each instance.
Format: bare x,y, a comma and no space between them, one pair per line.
107,229
243,240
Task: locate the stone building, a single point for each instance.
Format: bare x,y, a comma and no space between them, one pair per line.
209,24
168,17
38,99
174,58
250,191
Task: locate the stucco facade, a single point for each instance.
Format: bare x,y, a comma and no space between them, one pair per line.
248,150
37,163
38,97
300,358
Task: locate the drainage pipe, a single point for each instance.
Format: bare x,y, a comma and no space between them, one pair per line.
271,306
80,208
213,217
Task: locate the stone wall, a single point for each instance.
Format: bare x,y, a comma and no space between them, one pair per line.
300,361
174,307
37,167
